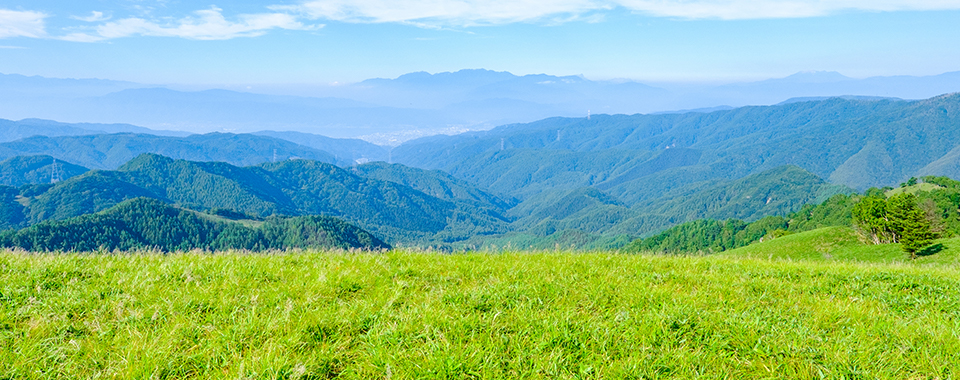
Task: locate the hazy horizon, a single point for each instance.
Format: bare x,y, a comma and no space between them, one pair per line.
325,41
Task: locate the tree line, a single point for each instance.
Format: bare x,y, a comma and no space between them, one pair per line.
912,217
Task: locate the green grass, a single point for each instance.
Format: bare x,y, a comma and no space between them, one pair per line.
519,315
842,244
913,189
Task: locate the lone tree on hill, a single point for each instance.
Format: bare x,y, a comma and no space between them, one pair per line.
911,223
895,220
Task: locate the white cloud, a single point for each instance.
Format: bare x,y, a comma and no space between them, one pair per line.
21,24
203,25
481,12
443,12
210,24
93,17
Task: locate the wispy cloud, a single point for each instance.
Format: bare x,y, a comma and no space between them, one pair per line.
11,47
93,17
209,24
766,9
484,12
22,24
443,12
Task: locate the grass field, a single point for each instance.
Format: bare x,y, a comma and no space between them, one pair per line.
405,315
844,244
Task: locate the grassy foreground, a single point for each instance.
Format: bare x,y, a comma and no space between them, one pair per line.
408,315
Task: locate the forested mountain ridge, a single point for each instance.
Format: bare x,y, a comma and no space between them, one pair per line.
24,170
853,142
597,216
14,130
109,151
291,187
434,182
144,223
346,150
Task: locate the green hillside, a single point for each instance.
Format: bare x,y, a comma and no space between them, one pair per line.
433,182
145,224
921,210
853,142
23,170
602,218
777,191
109,151
390,210
843,244
711,235
346,150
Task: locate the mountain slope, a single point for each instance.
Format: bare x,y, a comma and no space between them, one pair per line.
14,130
23,170
633,157
778,191
292,187
144,223
432,182
108,151
349,150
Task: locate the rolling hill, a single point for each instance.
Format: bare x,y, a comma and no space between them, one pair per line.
24,170
396,212
148,224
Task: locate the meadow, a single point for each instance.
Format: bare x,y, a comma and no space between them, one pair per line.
422,315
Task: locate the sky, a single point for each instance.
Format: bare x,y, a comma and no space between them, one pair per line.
343,41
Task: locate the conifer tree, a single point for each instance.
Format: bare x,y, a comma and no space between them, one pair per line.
909,222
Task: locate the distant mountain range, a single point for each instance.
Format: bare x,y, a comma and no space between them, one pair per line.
591,181
389,111
106,146
853,142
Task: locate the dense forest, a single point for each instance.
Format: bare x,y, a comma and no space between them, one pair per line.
149,224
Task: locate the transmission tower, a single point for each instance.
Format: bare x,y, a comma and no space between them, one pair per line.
56,174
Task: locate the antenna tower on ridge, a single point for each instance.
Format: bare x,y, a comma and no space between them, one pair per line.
56,175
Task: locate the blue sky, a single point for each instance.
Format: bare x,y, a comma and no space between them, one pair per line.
324,41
